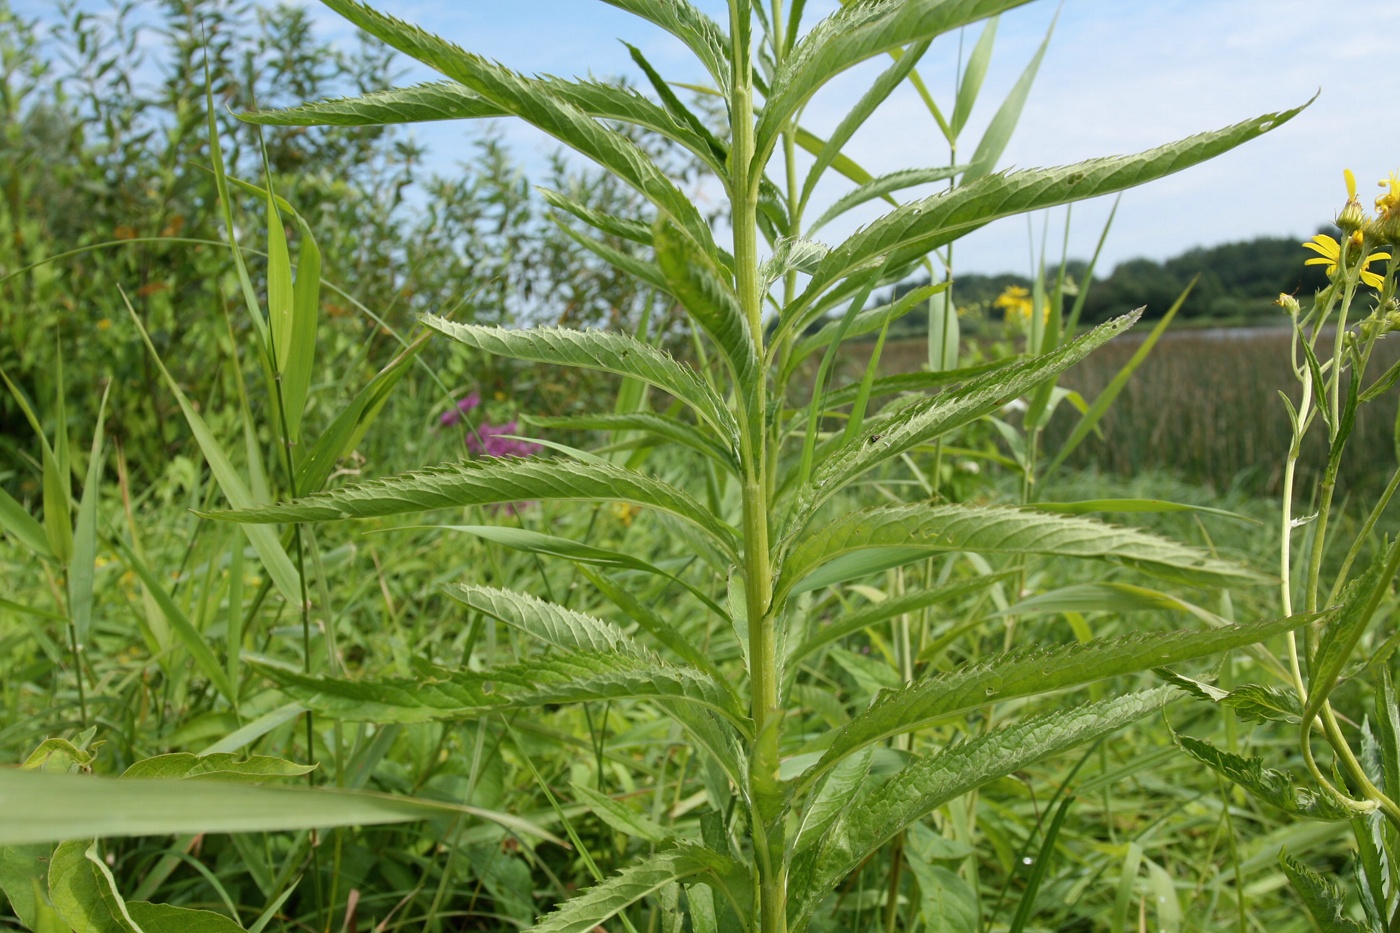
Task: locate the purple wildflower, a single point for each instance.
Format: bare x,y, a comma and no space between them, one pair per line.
489,440
454,416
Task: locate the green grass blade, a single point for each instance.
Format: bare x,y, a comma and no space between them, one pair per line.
270,551
37,807
973,74
1090,419
928,419
660,427
16,521
84,564
998,133
880,187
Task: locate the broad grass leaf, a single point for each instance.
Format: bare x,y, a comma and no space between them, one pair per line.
38,807
607,352
852,35
930,529
16,521
920,226
270,551
600,903
855,118
1027,673
483,482
928,782
350,425
1273,787
540,103
83,567
923,421
998,132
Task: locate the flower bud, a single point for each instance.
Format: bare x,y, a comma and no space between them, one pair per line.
1289,304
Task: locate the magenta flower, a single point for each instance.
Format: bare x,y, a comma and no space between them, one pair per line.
453,416
489,440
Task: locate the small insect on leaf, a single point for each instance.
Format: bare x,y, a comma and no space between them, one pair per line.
873,438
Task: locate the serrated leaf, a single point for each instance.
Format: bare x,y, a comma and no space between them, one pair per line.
880,186
864,322
890,608
621,227
482,482
920,226
1258,703
929,529
1321,895
555,625
662,427
928,782
607,352
620,816
540,103
829,153
219,767
1339,639
1027,673
852,35
590,909
841,786
37,807
927,419
421,103
1272,787
790,254
452,696
708,297
697,32
920,382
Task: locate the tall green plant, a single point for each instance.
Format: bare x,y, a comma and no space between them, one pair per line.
783,516
1340,661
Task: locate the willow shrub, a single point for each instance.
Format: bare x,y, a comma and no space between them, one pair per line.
772,522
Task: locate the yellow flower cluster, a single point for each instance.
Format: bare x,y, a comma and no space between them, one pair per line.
1015,303
1360,230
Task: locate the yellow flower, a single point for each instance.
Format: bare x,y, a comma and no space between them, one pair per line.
104,324
1388,204
1015,301
1330,254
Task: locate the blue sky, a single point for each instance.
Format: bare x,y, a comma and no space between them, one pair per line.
1119,76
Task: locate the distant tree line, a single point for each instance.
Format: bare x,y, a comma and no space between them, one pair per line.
1238,284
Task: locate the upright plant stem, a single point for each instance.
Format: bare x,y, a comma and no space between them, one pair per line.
765,819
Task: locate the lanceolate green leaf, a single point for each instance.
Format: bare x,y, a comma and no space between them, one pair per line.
608,352
1031,672
850,36
1273,787
881,186
921,226
701,35
624,227
570,677
37,807
422,103
483,482
927,783
998,133
709,298
540,104
1001,530
600,903
865,321
924,421
660,427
